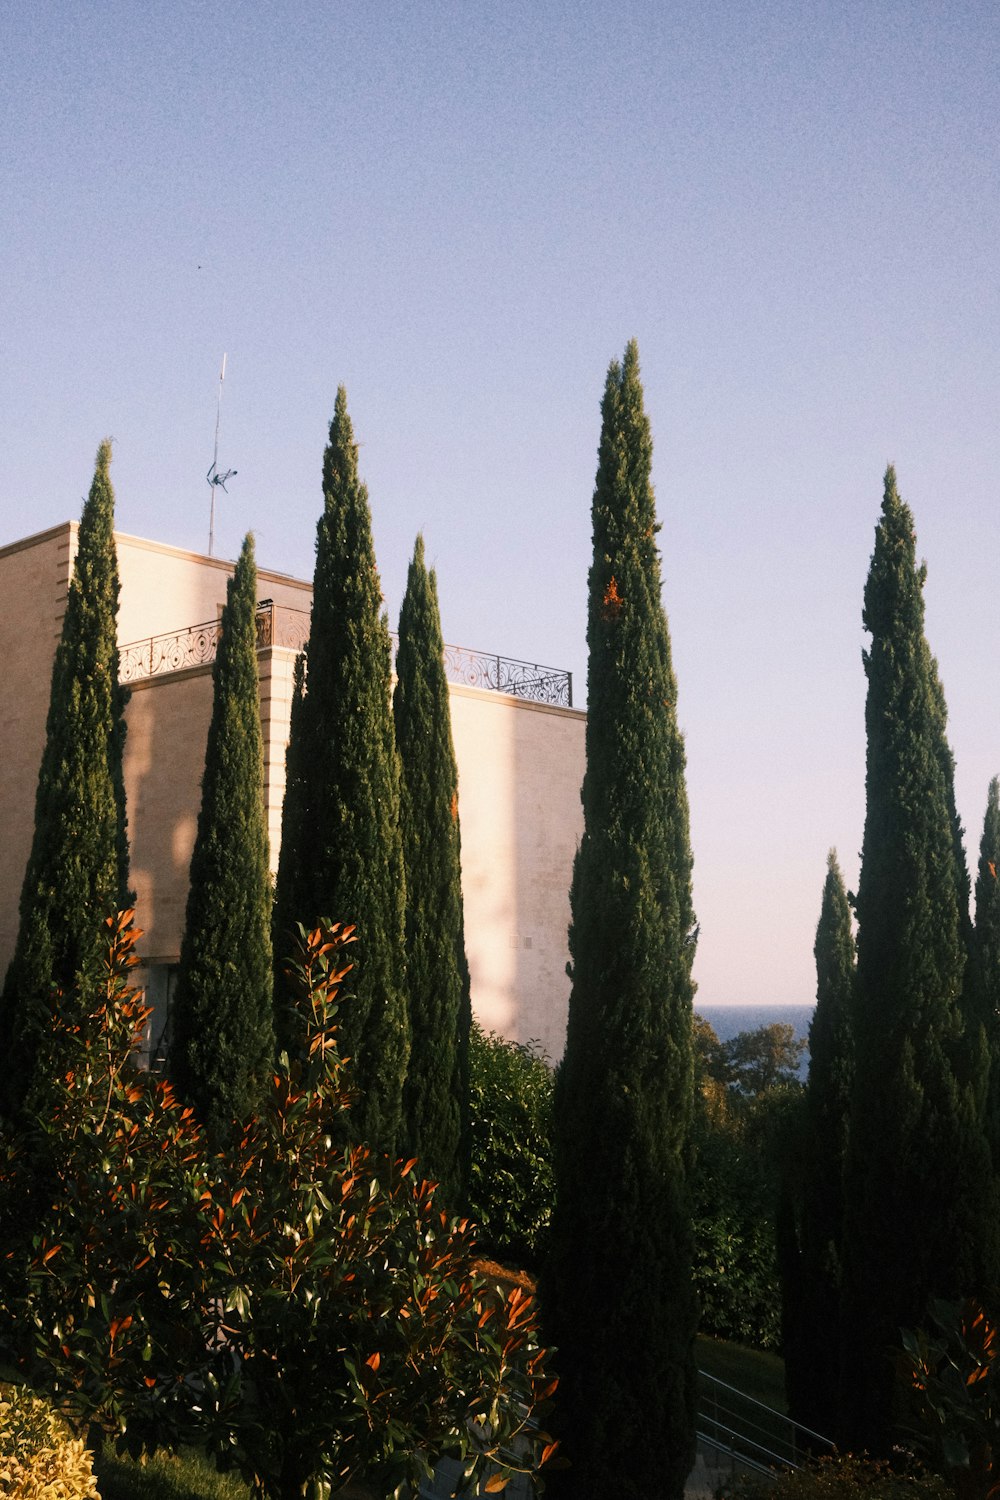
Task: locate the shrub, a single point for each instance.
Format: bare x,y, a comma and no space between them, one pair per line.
297,1306
511,1184
39,1457
745,1109
841,1477
955,1394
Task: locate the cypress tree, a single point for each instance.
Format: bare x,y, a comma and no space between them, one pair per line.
435,1100
984,988
914,1222
77,869
811,1348
343,816
618,1292
223,1032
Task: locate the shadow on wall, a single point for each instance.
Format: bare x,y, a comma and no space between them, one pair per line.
167,719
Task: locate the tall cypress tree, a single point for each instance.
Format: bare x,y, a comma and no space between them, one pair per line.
223,1031
77,869
618,1292
917,1159
811,1348
984,986
435,1100
344,812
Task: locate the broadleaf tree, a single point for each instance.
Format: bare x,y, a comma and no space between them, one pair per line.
618,1290
917,1222
343,813
77,868
223,1032
436,1097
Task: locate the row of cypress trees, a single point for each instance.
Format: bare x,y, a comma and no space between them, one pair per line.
369,840
898,1196
354,822
370,830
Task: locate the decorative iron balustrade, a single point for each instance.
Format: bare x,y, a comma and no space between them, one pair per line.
195,646
501,674
277,625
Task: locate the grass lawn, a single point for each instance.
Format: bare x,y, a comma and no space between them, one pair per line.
752,1371
166,1476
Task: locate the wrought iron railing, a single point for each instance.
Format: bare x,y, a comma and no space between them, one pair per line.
501,674
277,625
196,645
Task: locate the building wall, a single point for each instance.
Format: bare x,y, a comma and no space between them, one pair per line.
165,588
520,770
34,579
167,719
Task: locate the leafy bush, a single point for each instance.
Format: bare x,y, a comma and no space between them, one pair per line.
297,1306
746,1097
511,1184
39,1457
955,1393
841,1477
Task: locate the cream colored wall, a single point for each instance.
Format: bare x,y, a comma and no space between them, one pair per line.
164,588
520,768
276,668
167,719
34,579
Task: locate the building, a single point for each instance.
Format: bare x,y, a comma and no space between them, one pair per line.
518,742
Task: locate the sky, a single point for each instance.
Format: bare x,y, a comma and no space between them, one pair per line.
462,212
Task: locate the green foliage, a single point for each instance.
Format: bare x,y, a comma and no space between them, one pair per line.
841,1477
915,1132
745,1090
751,1063
341,812
301,1309
101,1287
39,1457
984,968
437,975
78,865
511,1183
812,1267
734,1258
955,1393
223,1031
618,1293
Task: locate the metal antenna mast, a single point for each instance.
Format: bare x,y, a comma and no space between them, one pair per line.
215,479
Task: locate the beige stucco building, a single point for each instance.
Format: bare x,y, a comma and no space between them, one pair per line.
520,755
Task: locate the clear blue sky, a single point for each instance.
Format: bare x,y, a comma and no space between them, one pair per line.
462,212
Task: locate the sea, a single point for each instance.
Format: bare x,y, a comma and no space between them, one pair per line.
728,1021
